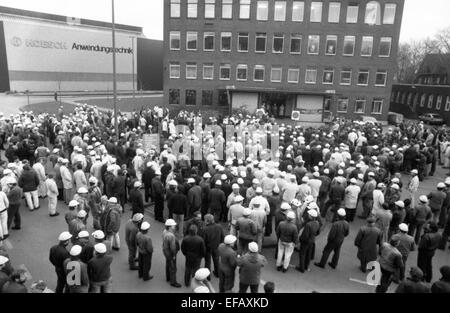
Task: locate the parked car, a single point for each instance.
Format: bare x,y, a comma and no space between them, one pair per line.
395,118
431,118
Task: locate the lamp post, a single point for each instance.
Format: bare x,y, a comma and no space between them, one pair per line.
132,64
116,124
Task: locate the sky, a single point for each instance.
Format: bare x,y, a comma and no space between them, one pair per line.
421,19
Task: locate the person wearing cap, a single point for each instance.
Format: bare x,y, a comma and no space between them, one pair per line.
131,230
109,180
205,185
39,168
339,230
67,180
436,200
119,187
414,283
251,191
145,251
178,205
443,284
324,187
110,222
52,193
77,225
227,263
147,177
194,196
250,265
367,195
235,212
406,242
201,283
413,186
445,205
315,183
79,177
268,183
259,216
158,192
94,201
136,199
99,270
287,234
307,240
422,215
170,247
427,246
194,249
213,235
390,263
246,229
304,189
368,240
351,197
398,217
58,254
217,201
29,182
274,201
259,198
76,272
336,197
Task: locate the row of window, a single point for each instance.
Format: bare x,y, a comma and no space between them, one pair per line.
190,97
359,105
276,74
279,11
414,99
278,43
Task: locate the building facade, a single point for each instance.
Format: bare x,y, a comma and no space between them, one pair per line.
47,52
321,58
430,92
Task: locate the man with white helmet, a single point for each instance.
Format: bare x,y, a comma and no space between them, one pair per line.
268,183
307,241
413,186
367,195
227,263
259,216
339,230
315,183
170,247
351,199
14,194
235,212
287,235
76,272
246,229
200,283
436,200
422,216
145,250
67,180
131,230
99,269
290,190
406,242
58,254
52,193
264,204
250,265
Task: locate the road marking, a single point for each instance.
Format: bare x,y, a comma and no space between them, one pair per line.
360,281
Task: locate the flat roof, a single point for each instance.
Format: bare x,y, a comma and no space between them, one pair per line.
65,19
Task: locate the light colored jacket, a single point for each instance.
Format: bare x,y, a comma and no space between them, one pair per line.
52,189
66,177
351,196
4,202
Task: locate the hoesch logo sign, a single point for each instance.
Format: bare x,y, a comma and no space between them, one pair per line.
16,41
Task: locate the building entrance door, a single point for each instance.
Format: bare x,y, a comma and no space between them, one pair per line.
277,104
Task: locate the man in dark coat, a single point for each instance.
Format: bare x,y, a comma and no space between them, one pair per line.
337,195
177,204
436,199
58,254
193,248
250,265
307,241
194,198
145,249
213,236
368,239
99,270
158,192
228,263
427,247
217,201
131,229
119,187
413,284
442,285
147,177
391,263
136,199
339,230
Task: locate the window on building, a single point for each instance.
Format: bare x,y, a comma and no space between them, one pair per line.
349,45
278,43
328,76
423,98
174,96
207,97
404,98
327,104
260,42
399,95
192,8
410,98
416,99
334,12
225,71
280,11
223,98
175,11
208,71
367,46
389,13
331,45
447,104
241,72
385,46
346,76
174,40
438,102
373,13
243,42
227,9
225,41
208,41
262,10
296,43
191,71
311,76
258,73
210,6
298,11
316,12
363,77
430,101
360,106
313,44
377,106
244,9
174,70
191,41
275,74
342,105
380,78
293,75
191,97
352,13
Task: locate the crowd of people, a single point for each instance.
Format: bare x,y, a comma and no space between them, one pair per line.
222,206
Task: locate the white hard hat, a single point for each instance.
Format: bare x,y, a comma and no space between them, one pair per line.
239,198
255,181
202,274
75,250
100,248
403,227
82,190
82,214
312,213
202,289
206,175
229,239
316,174
137,217
83,234
395,186
73,203
423,199
441,185
400,204
247,212
290,215
112,200
137,184
64,236
145,226
415,172
305,179
98,234
170,222
259,190
173,182
3,260
341,212
285,206
253,247
191,180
